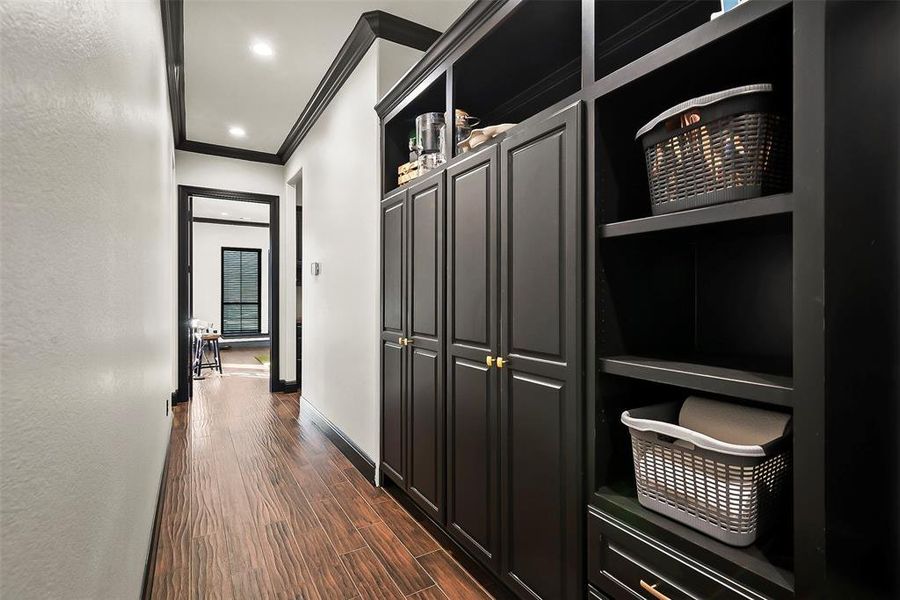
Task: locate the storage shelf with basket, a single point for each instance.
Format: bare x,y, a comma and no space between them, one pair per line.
695,305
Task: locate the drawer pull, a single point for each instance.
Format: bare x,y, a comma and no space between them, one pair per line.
653,591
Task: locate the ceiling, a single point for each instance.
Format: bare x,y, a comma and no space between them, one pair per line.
229,210
227,85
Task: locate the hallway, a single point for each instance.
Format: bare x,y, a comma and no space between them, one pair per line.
259,505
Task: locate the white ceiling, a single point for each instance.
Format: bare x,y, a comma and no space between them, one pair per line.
227,85
230,210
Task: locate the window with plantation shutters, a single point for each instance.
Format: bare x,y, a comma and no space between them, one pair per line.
240,291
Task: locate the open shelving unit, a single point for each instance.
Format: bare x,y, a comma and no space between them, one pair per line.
772,302
528,62
698,302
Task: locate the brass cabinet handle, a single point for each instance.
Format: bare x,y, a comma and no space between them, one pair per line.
400,341
489,361
653,591
501,361
408,342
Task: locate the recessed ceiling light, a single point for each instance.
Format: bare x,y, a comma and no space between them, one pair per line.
261,48
237,131
224,214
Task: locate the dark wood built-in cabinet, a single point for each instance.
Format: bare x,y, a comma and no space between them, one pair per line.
473,334
529,296
540,337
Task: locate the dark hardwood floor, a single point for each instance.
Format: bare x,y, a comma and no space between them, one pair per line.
260,504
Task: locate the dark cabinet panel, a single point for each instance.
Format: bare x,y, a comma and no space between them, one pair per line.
473,505
534,479
425,207
540,406
426,431
426,262
535,244
472,443
392,260
393,419
393,306
471,250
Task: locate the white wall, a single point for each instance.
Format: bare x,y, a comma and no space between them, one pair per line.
208,241
340,198
261,178
86,294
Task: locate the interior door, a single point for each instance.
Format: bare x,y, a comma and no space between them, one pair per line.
424,353
540,405
393,331
473,517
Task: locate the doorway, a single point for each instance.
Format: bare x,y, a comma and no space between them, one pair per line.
242,314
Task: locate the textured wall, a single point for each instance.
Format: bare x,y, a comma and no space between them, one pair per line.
86,302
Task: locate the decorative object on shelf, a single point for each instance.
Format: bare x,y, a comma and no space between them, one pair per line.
480,136
413,147
718,467
730,145
430,129
407,172
463,127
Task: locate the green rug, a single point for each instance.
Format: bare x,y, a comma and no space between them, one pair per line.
263,358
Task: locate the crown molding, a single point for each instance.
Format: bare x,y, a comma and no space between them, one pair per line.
229,152
172,12
370,26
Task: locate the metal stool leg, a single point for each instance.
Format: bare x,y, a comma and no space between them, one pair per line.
218,355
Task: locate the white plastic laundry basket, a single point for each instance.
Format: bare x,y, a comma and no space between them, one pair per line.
729,491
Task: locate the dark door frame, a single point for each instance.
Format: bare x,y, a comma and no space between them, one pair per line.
185,245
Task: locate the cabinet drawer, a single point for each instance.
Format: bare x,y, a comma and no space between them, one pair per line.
619,561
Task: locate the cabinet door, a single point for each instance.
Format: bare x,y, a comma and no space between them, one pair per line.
473,517
540,401
393,328
424,352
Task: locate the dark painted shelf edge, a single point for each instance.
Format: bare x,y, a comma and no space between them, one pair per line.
703,553
720,213
684,45
748,385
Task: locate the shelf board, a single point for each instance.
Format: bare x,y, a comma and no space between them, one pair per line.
719,213
751,566
705,34
749,385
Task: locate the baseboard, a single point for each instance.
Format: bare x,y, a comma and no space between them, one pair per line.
286,387
354,454
489,581
150,565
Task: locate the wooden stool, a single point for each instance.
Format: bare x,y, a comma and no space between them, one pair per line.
208,341
203,339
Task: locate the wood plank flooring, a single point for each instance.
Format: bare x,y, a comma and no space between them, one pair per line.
260,504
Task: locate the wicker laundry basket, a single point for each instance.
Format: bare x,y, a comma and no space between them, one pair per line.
721,147
728,491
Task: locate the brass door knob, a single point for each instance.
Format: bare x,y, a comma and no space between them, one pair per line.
501,361
400,341
489,361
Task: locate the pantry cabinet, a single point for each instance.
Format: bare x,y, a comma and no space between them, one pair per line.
412,412
512,345
473,339
540,215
